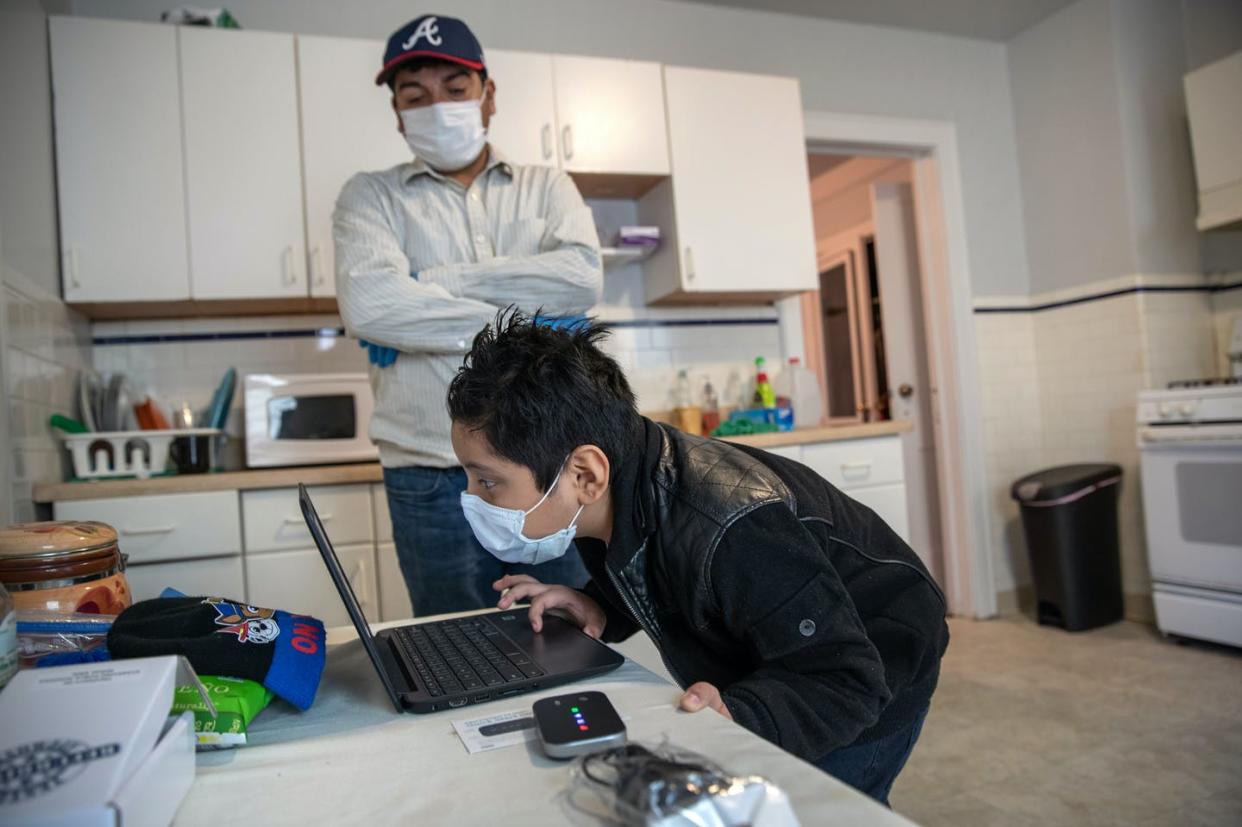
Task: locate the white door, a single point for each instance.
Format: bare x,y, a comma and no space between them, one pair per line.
905,349
611,116
740,188
118,160
348,126
524,126
297,581
242,164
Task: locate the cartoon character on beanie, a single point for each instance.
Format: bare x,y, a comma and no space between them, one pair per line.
229,613
260,630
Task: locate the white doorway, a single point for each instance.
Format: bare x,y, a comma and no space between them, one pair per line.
865,336
947,458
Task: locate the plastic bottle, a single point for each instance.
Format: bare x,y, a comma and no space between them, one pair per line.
687,416
711,407
802,388
8,637
764,397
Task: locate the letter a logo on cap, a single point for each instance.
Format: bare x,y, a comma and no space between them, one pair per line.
428,29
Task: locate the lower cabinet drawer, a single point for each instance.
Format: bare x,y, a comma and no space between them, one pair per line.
165,526
297,581
394,596
273,517
214,577
851,463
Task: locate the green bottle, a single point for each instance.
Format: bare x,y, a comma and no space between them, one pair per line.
765,397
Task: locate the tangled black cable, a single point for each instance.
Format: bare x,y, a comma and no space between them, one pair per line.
648,784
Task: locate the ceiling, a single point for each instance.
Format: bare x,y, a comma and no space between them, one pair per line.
984,19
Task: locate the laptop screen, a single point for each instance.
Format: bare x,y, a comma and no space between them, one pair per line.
346,591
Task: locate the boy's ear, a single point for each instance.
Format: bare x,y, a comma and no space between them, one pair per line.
589,469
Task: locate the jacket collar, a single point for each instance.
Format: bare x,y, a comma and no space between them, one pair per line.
634,497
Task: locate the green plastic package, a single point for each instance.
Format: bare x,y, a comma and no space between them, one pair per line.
237,701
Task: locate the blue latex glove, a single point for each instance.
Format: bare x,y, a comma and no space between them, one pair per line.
561,322
379,355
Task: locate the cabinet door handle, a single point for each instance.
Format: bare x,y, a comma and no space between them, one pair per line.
357,579
315,266
856,470
689,264
71,266
545,138
289,277
323,518
138,532
567,141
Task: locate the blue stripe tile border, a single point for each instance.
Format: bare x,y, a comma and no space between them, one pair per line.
332,332
1125,291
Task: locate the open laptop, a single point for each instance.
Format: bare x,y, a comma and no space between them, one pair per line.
426,667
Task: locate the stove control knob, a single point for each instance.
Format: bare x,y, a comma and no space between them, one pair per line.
1166,410
1187,408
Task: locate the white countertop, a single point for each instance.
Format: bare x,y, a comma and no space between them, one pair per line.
352,759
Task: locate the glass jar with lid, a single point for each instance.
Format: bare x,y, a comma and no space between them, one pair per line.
73,566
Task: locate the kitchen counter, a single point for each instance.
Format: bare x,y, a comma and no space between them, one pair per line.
372,472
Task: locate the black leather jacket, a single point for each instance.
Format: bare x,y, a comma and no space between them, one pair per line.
750,571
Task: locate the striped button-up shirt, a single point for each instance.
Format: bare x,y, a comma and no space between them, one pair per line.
423,264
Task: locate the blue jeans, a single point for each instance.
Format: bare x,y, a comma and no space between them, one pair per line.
445,568
873,767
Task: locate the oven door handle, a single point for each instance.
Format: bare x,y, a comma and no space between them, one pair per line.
1227,436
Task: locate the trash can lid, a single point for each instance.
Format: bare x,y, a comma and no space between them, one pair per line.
1063,481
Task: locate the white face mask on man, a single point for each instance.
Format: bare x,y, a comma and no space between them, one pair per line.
502,530
447,136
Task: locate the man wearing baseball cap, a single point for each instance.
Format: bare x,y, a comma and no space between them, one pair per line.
427,252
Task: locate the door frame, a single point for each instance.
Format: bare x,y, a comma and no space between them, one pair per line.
949,318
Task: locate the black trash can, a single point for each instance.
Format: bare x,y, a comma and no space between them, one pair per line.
1069,517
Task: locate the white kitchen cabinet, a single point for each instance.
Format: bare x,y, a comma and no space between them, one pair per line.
889,502
610,115
213,577
524,126
242,165
394,597
850,463
273,517
1214,105
737,210
165,527
348,126
118,160
379,507
298,581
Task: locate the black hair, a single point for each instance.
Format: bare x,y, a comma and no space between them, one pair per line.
537,393
416,63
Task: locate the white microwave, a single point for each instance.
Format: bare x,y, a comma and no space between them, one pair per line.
307,419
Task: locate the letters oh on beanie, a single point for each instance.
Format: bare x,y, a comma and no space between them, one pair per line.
282,651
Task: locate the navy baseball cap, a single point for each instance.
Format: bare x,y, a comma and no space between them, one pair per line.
435,36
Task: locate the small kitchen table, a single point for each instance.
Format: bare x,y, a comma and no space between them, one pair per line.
352,759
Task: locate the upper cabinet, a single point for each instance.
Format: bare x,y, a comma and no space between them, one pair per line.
739,200
611,116
242,169
1214,104
524,126
348,125
119,162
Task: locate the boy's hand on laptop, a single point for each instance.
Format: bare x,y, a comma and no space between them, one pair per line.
571,603
703,695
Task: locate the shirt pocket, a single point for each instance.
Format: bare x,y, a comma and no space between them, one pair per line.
803,620
521,238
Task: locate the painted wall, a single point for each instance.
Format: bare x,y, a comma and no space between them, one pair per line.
43,344
1074,195
842,67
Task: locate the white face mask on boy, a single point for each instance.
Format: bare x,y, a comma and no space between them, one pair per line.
447,136
500,530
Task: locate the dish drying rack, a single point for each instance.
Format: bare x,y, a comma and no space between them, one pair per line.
105,454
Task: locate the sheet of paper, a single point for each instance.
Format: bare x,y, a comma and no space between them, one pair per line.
495,731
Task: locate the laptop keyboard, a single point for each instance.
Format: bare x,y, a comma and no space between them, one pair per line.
462,655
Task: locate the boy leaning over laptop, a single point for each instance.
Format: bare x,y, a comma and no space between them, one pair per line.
774,598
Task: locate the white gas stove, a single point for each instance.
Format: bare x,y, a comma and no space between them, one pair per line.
1190,436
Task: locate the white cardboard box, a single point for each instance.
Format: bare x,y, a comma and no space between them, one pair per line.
92,744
